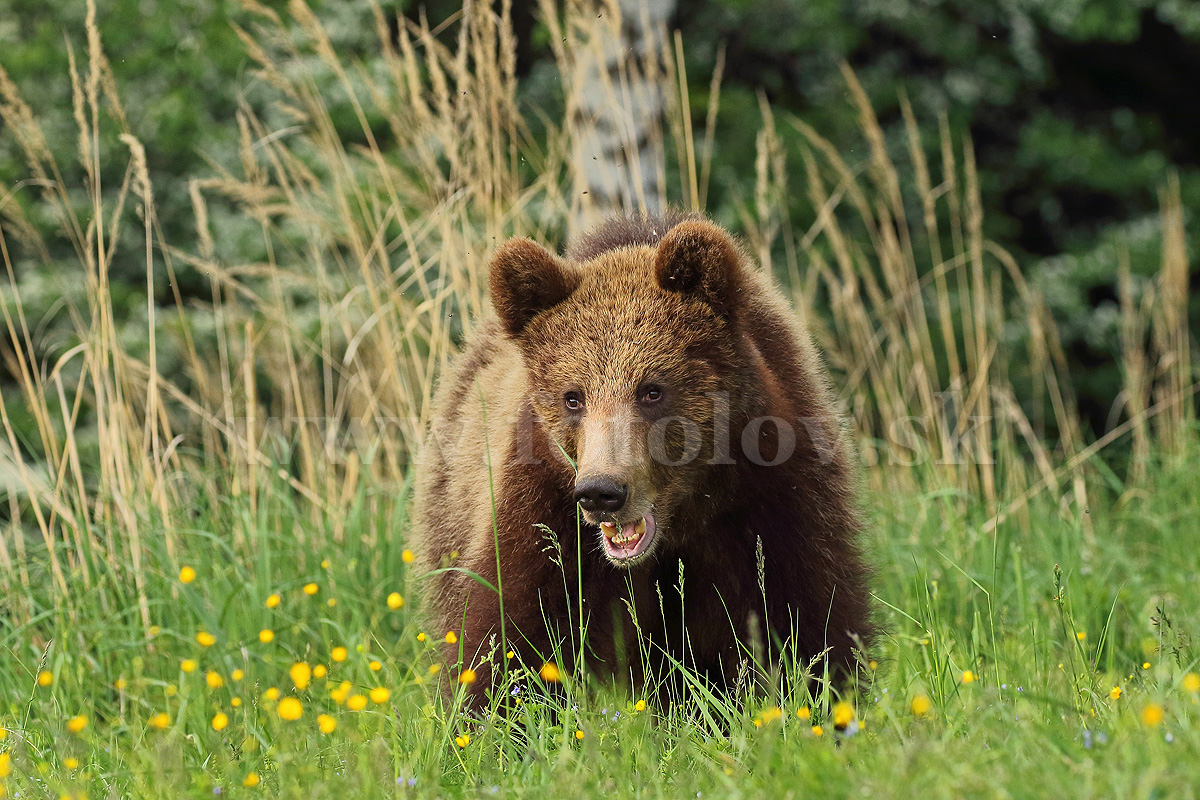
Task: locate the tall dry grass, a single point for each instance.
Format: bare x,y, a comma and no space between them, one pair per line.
375,268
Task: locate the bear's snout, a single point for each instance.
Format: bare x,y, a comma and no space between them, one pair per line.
601,493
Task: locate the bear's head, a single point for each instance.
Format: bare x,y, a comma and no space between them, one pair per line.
632,357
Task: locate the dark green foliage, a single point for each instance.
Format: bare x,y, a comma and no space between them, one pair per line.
1078,113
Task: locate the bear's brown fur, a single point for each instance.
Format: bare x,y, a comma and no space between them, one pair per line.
567,391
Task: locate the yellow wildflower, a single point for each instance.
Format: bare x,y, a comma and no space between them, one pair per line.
326,723
356,702
338,654
205,639
1115,693
1145,665
188,665
236,702
301,674
1080,635
5,765
451,637
319,671
380,695
434,669
271,694
968,676
266,636
407,556
1191,682
119,685
640,705
325,563
71,763
843,715
394,601
187,575
421,637
462,741
237,675
251,780
273,601
467,676
331,602
509,655
803,712
1152,715
214,680
921,705
550,672
817,730
290,709
220,721
771,714
578,734
375,666
45,678
311,589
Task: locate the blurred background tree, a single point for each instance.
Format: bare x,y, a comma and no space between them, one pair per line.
1078,110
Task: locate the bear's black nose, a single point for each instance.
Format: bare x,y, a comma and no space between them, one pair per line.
600,493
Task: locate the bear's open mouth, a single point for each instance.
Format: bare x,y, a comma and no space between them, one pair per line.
626,541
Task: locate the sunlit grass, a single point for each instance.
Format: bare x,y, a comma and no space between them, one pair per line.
349,698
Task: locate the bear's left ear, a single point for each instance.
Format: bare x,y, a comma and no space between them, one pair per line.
526,279
698,258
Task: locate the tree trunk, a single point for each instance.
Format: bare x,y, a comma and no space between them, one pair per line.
617,93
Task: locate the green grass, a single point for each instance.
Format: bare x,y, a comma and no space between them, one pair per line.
1038,720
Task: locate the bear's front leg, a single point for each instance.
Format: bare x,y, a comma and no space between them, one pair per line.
534,607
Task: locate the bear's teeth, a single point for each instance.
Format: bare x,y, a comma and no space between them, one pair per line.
640,528
608,529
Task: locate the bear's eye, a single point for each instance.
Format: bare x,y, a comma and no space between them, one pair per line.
650,393
573,401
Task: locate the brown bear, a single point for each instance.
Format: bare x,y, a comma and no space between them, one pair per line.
642,437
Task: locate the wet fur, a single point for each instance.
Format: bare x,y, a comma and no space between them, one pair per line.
601,315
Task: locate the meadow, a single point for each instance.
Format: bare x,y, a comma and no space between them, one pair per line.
205,559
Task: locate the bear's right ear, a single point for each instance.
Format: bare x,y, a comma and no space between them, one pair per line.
527,279
698,258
